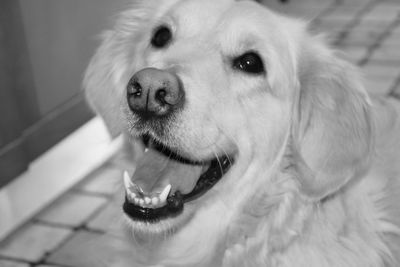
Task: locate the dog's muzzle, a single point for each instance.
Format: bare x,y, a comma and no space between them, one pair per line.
164,179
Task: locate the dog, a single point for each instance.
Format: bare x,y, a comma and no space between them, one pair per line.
249,141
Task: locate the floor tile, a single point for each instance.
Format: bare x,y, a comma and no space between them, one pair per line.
33,241
387,54
381,14
337,16
349,10
393,39
353,2
45,265
396,91
361,37
396,30
353,53
306,9
108,219
72,209
379,86
377,70
87,249
332,25
107,180
365,27
6,263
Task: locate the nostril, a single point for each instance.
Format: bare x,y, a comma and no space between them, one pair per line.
134,89
160,96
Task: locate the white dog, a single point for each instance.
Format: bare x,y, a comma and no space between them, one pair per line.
253,143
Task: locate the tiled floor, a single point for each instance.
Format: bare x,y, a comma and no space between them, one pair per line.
81,229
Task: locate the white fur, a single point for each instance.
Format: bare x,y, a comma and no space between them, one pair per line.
316,176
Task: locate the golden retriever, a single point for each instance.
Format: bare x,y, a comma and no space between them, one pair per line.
251,142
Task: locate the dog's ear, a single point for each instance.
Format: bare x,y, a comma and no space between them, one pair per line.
333,135
113,63
101,84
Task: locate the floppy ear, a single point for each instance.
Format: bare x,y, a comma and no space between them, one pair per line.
333,135
102,87
113,63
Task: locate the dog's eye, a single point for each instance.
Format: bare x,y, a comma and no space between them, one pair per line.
249,62
162,36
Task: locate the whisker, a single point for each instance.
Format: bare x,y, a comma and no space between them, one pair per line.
216,156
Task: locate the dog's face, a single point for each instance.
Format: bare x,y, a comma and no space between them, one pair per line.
209,93
229,62
226,62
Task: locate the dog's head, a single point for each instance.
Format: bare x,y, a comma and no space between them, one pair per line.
214,96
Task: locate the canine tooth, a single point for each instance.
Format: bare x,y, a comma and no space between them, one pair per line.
127,180
154,201
128,195
164,193
147,200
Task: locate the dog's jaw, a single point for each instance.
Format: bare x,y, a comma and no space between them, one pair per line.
202,237
170,220
164,228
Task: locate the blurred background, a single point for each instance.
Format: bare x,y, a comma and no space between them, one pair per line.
44,48
57,172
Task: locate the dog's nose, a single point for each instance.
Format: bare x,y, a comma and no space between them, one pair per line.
154,93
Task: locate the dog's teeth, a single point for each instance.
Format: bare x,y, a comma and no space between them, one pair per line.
132,195
147,200
127,180
141,202
164,194
136,201
155,201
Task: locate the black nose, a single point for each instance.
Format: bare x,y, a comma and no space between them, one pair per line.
154,93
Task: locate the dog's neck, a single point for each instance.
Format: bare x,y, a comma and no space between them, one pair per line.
286,225
274,218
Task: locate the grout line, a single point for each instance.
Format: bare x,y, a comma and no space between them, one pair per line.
51,224
396,85
379,40
91,230
354,21
328,10
76,230
48,253
12,259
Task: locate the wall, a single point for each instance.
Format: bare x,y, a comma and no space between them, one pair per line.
61,37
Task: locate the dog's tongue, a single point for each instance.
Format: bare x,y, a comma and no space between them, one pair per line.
155,171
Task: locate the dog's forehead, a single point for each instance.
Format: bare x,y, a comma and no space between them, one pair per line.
195,17
200,15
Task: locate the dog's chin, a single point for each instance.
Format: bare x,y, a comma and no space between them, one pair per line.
144,231
167,188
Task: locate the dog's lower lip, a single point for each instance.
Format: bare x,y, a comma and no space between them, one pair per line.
175,202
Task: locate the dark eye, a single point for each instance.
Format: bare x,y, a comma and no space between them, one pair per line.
162,36
249,62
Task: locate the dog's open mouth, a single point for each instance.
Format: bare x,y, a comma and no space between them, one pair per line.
164,181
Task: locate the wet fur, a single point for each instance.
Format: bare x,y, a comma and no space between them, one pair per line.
316,179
